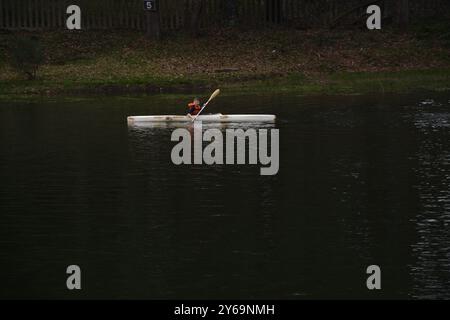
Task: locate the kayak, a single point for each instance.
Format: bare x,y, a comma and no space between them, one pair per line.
206,118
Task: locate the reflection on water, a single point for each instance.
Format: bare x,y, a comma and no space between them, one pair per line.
431,271
363,180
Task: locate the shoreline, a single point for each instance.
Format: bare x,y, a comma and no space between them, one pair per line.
433,80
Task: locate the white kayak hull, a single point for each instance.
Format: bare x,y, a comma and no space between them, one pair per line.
205,118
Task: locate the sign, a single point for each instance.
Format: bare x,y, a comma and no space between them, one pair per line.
150,5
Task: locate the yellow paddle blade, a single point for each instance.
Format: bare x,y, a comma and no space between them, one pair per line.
215,94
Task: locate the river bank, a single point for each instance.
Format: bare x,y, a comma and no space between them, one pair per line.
307,62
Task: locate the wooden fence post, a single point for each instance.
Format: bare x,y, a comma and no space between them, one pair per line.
152,19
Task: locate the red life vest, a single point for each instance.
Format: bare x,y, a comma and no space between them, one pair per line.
196,108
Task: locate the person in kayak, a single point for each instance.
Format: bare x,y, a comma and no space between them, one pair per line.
194,107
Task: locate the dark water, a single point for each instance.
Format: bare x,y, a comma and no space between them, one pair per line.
363,180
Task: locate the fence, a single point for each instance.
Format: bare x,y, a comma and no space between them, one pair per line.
126,14
129,14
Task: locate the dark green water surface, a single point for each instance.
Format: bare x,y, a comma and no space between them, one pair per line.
363,180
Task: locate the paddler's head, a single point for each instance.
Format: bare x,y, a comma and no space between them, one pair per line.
196,101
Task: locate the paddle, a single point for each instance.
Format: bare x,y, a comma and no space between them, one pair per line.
215,94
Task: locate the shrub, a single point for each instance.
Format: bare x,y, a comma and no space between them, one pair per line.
27,56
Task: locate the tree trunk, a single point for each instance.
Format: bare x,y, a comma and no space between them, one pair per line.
193,17
231,11
402,13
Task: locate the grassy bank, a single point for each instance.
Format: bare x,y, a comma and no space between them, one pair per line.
307,62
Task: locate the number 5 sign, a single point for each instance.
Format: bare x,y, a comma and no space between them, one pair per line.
150,5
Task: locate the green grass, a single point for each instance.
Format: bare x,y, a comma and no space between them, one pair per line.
353,83
336,83
276,60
